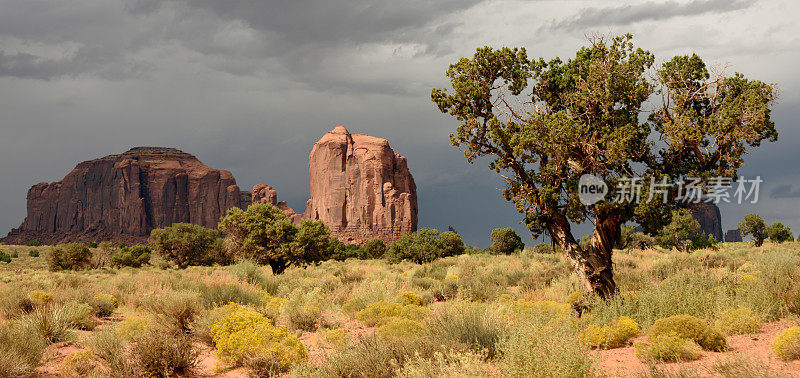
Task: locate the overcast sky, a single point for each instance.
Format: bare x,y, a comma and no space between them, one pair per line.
250,85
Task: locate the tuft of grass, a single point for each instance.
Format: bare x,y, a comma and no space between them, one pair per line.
161,353
177,309
21,351
469,326
551,350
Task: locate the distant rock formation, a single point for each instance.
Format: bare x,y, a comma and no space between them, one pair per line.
733,236
360,188
709,217
123,197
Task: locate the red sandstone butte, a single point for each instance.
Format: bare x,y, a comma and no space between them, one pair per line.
123,197
360,188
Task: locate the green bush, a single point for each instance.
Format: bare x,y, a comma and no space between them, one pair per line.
221,294
690,328
548,351
424,246
33,253
611,336
160,353
33,243
303,309
754,226
468,326
778,233
505,241
188,244
103,304
678,233
135,256
14,254
91,244
543,248
374,249
264,234
51,323
4,257
20,352
177,309
69,256
668,347
704,241
109,348
738,321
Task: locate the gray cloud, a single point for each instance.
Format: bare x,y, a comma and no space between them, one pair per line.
785,191
649,11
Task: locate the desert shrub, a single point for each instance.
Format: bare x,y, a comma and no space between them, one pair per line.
303,309
78,364
548,351
51,323
374,249
40,298
704,241
104,304
505,241
611,336
33,253
246,336
79,315
401,328
20,350
737,321
204,322
543,248
220,294
188,244
740,366
109,348
754,226
160,353
668,347
468,326
33,243
534,311
679,231
339,251
5,257
69,256
272,307
455,364
248,271
264,234
380,312
135,256
177,309
411,298
14,254
787,344
132,327
778,233
424,245
336,337
690,328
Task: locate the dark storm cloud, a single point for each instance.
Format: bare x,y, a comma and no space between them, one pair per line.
649,11
785,191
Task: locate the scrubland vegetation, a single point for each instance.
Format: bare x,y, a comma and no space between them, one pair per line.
483,313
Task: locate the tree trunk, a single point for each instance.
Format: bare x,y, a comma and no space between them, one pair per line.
278,266
593,265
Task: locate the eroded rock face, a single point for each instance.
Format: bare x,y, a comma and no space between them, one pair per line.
709,217
123,197
360,188
733,236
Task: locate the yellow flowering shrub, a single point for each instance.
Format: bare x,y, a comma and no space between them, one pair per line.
245,334
78,364
39,297
103,304
738,321
411,298
451,277
787,344
746,278
272,306
668,347
401,328
690,328
380,312
610,336
526,310
335,337
132,327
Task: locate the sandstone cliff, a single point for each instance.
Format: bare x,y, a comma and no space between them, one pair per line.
709,217
123,197
360,188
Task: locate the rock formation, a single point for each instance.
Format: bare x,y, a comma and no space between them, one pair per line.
360,188
123,197
733,236
708,215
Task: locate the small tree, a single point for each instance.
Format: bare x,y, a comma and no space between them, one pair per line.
187,244
424,245
450,244
678,233
135,256
374,249
778,233
69,256
311,243
505,241
754,226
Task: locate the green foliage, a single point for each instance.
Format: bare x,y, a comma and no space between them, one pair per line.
611,336
679,231
33,253
754,226
778,233
20,352
91,244
175,309
548,351
264,234
164,354
51,323
303,309
543,248
374,249
4,257
526,114
690,328
188,244
72,256
473,326
381,312
703,241
221,294
424,245
135,256
668,347
505,241
109,348
33,243
787,344
737,321
103,304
